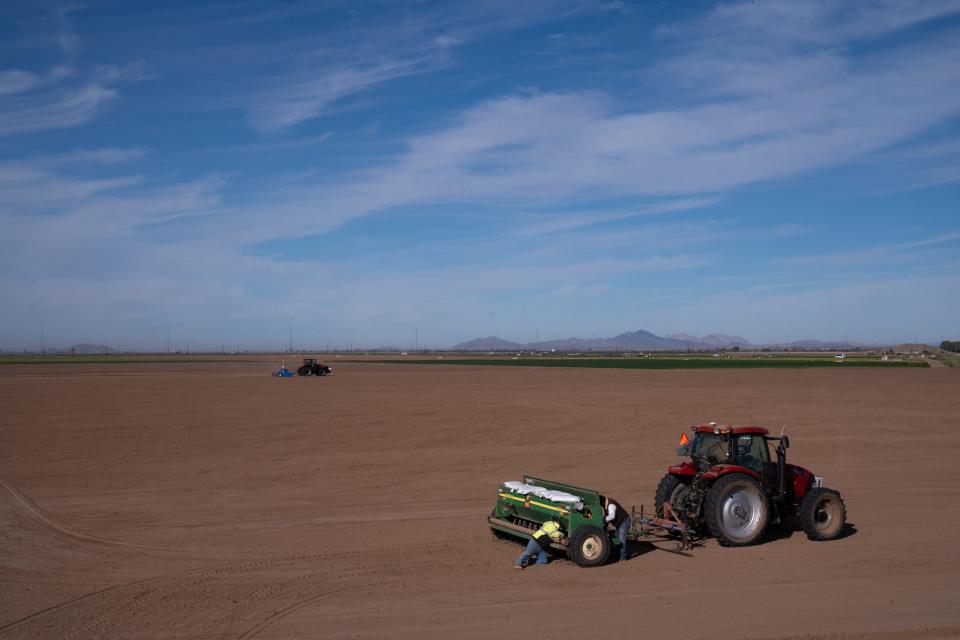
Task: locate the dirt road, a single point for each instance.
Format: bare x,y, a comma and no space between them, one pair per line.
213,501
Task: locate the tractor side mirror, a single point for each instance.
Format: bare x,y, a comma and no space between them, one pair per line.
786,441
683,451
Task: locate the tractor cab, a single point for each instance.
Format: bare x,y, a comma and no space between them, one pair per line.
746,447
751,451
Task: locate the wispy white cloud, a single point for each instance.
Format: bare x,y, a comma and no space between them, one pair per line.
101,156
55,109
311,96
784,24
712,236
27,190
63,97
67,38
547,148
411,43
934,176
566,222
14,81
791,113
878,254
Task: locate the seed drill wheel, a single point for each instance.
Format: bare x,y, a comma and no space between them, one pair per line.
823,514
589,546
736,510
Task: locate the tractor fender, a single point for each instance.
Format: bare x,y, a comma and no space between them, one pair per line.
721,470
685,469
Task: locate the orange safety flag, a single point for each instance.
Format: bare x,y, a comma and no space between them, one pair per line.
683,439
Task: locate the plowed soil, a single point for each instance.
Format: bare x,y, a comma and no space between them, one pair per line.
213,501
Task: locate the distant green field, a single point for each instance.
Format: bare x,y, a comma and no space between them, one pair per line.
667,362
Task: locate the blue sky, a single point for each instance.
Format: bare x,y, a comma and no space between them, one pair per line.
364,173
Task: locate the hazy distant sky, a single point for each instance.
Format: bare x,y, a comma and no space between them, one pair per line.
363,173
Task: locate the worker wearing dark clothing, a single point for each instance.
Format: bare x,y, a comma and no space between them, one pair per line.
540,543
619,518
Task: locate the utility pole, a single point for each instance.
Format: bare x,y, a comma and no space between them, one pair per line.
168,340
43,347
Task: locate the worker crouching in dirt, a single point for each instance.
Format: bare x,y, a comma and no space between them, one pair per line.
620,519
540,543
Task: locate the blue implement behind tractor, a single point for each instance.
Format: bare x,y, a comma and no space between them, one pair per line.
282,372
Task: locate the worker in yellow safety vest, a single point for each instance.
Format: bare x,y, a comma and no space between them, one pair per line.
549,532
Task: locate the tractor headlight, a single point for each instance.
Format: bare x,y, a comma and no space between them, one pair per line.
817,481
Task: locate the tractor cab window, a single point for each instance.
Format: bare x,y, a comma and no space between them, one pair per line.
710,447
752,453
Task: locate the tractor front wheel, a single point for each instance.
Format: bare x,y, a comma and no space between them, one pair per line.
589,546
736,510
671,489
823,514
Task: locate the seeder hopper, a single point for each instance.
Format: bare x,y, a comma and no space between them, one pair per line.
522,507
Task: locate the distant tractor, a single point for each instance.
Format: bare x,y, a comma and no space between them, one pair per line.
313,367
732,489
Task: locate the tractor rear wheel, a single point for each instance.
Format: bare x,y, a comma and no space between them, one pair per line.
303,371
589,546
736,510
671,489
823,514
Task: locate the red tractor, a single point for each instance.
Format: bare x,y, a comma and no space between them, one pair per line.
732,489
313,367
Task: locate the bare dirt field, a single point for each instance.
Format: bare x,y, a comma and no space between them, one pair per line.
213,501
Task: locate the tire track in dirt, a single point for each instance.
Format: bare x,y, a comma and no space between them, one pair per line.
226,598
235,599
920,633
220,602
80,599
29,508
257,628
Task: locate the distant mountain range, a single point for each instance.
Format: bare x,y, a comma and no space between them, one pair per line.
640,341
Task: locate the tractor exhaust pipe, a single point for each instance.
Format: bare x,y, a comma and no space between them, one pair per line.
782,471
782,465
